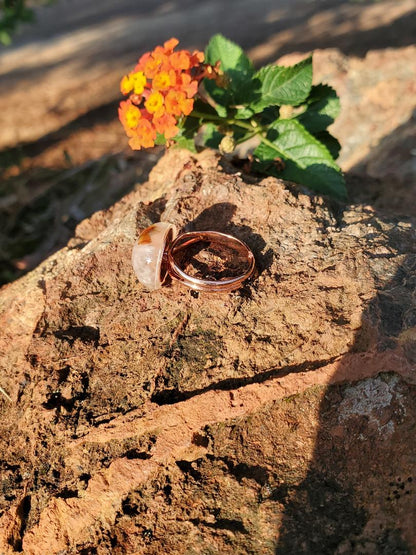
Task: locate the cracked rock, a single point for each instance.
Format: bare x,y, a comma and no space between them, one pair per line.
245,422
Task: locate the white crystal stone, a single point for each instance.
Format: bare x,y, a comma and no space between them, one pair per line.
147,255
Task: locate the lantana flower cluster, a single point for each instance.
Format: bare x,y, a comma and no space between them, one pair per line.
161,90
218,99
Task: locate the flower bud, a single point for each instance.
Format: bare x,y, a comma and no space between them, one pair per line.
227,144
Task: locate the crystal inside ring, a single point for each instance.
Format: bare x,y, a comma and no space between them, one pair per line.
201,260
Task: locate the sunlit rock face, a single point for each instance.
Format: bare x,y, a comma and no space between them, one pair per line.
165,421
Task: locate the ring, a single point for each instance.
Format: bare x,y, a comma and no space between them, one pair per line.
201,260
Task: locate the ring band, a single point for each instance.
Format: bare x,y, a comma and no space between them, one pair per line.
186,240
158,253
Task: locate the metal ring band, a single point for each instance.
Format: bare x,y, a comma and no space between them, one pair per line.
185,240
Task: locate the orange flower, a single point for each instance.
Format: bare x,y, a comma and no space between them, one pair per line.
145,135
177,103
142,61
166,125
154,64
129,115
159,59
187,85
161,90
170,44
197,58
180,60
164,80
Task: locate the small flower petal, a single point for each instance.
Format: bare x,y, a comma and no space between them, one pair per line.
170,44
129,115
144,137
164,80
177,103
166,125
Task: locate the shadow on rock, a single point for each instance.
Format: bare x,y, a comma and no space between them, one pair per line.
358,494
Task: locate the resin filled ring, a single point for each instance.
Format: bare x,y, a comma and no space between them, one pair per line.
201,260
148,255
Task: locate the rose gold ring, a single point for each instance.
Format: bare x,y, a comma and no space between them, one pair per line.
201,260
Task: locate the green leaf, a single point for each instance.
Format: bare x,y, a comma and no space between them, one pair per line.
185,142
160,139
221,97
188,127
240,89
318,177
306,161
234,62
269,115
321,110
242,112
211,137
283,85
331,143
291,138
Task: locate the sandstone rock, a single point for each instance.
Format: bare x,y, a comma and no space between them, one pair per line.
276,419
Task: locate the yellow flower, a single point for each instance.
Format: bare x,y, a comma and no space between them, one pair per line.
139,79
164,80
126,84
132,116
135,82
154,103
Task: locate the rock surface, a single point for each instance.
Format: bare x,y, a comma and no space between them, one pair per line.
276,419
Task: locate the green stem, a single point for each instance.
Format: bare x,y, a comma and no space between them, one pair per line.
255,130
269,144
219,119
247,137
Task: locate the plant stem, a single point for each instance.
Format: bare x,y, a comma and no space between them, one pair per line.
258,130
268,143
219,119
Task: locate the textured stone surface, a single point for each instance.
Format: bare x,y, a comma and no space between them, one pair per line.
276,419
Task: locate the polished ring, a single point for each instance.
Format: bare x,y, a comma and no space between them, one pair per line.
159,252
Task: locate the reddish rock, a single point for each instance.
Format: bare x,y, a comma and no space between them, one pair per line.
278,418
